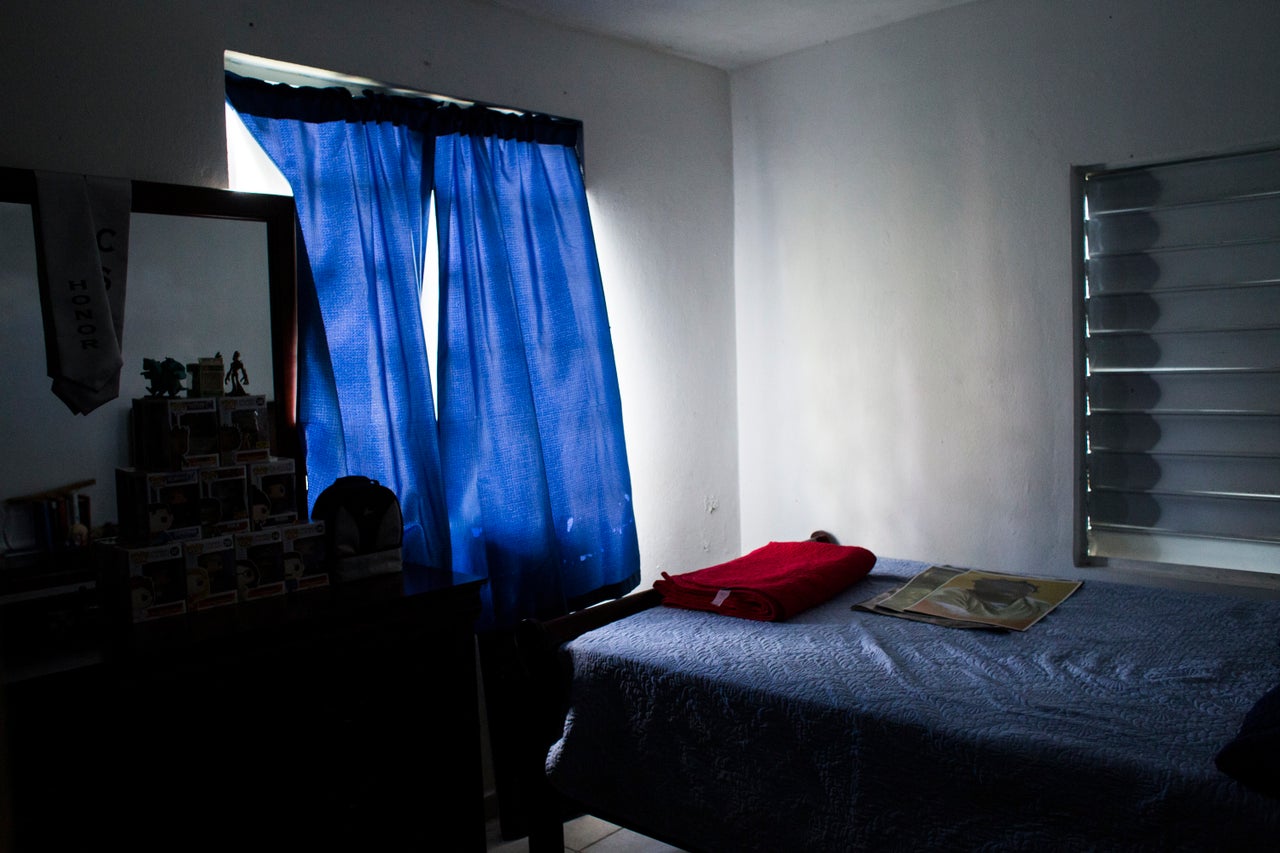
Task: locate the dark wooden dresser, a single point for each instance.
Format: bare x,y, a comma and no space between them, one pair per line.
340,718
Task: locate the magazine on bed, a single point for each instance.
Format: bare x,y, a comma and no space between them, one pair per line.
964,598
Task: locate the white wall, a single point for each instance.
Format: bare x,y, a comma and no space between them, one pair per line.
895,206
135,89
903,263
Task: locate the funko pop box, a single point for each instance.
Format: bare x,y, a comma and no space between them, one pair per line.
245,429
260,564
224,492
211,572
157,581
304,556
171,433
156,507
272,493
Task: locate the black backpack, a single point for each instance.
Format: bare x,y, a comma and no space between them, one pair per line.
363,527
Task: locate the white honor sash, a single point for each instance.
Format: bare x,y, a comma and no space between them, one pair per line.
84,238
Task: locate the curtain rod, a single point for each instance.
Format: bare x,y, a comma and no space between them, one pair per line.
292,74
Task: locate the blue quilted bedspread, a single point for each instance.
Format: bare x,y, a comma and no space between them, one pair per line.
843,730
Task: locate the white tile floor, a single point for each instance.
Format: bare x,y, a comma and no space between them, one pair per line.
587,834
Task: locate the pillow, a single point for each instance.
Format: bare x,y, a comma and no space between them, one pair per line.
1253,756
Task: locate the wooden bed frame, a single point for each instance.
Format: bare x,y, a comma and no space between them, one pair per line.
548,684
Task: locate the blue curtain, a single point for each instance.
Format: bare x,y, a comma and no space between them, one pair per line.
535,464
525,481
365,403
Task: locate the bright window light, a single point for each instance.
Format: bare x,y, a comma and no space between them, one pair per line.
249,169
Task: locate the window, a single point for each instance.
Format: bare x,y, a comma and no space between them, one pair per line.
518,472
1179,362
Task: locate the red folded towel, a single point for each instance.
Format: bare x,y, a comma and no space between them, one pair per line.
771,583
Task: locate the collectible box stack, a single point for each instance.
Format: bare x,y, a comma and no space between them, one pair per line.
208,516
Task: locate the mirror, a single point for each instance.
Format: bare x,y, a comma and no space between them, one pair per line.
209,271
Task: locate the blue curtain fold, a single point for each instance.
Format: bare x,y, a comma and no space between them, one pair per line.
365,404
525,479
535,464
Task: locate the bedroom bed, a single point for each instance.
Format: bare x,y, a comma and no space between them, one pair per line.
837,729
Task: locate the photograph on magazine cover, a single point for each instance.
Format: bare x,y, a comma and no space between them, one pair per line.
1010,601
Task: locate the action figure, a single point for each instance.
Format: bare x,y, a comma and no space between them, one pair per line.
237,376
165,376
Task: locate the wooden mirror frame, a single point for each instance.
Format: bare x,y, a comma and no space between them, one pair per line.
277,212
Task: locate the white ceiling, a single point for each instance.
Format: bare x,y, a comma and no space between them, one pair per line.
728,34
